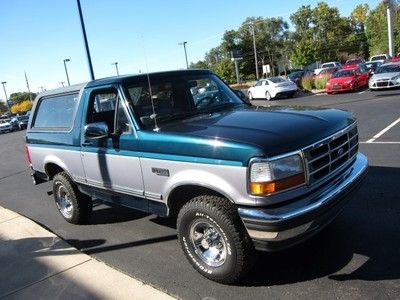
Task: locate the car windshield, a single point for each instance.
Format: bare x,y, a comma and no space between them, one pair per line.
175,97
276,79
388,69
343,73
23,118
295,74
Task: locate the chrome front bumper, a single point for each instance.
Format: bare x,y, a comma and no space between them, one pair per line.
288,224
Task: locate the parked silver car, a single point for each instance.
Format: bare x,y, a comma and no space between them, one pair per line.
385,76
5,126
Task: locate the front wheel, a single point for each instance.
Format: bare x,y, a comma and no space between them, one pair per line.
214,239
75,207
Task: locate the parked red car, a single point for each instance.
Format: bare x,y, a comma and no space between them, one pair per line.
328,72
347,80
353,63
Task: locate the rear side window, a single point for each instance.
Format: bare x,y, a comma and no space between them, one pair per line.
56,112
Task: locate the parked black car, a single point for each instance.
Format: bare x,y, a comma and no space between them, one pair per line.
297,76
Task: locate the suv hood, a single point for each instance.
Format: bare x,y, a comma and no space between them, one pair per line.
273,130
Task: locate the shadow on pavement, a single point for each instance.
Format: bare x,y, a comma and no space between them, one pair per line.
361,244
90,246
109,214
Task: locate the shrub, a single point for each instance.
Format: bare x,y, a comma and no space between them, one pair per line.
307,82
320,83
21,107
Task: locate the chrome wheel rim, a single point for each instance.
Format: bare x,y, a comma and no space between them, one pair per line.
63,201
208,242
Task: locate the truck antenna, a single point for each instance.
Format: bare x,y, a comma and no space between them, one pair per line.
153,116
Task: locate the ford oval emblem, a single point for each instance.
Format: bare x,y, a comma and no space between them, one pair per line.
340,151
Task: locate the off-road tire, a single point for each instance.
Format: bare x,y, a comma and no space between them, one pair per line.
221,213
81,204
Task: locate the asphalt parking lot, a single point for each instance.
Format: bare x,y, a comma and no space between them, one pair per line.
356,256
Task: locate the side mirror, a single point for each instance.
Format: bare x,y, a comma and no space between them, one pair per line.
240,94
95,131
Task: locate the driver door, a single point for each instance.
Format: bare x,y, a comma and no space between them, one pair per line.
111,163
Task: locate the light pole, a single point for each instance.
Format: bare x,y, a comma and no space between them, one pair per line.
184,48
255,49
390,26
85,41
116,67
5,93
65,67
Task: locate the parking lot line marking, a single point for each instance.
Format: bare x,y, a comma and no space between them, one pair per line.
393,143
383,131
362,92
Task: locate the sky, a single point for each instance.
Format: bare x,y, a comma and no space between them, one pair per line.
142,36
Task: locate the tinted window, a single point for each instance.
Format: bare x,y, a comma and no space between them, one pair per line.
343,73
276,79
56,112
388,69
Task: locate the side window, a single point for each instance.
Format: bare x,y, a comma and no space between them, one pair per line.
104,106
56,112
259,83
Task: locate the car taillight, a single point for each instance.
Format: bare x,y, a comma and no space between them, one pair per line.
28,155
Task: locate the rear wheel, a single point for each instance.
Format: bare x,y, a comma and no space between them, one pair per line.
74,207
214,239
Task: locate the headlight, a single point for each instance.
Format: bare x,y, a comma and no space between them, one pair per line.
348,81
272,176
395,77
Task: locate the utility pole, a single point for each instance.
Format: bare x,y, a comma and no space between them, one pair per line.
255,48
27,85
5,93
65,67
116,67
89,60
184,48
388,4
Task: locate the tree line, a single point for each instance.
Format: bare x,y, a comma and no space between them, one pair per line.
320,34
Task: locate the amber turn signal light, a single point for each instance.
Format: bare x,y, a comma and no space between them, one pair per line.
264,188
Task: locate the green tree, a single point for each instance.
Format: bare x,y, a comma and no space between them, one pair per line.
376,29
3,107
19,97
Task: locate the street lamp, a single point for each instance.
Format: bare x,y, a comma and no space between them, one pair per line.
66,71
5,93
388,5
184,47
254,46
116,67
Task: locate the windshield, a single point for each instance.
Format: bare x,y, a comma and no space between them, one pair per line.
276,79
178,97
343,73
388,69
295,74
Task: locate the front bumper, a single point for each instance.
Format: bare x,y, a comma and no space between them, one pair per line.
383,84
281,227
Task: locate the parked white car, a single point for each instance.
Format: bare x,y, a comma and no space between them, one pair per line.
271,88
380,57
330,64
5,126
385,76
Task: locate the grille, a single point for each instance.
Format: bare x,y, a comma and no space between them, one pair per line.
331,154
382,83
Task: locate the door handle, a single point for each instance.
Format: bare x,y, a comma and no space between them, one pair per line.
87,144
